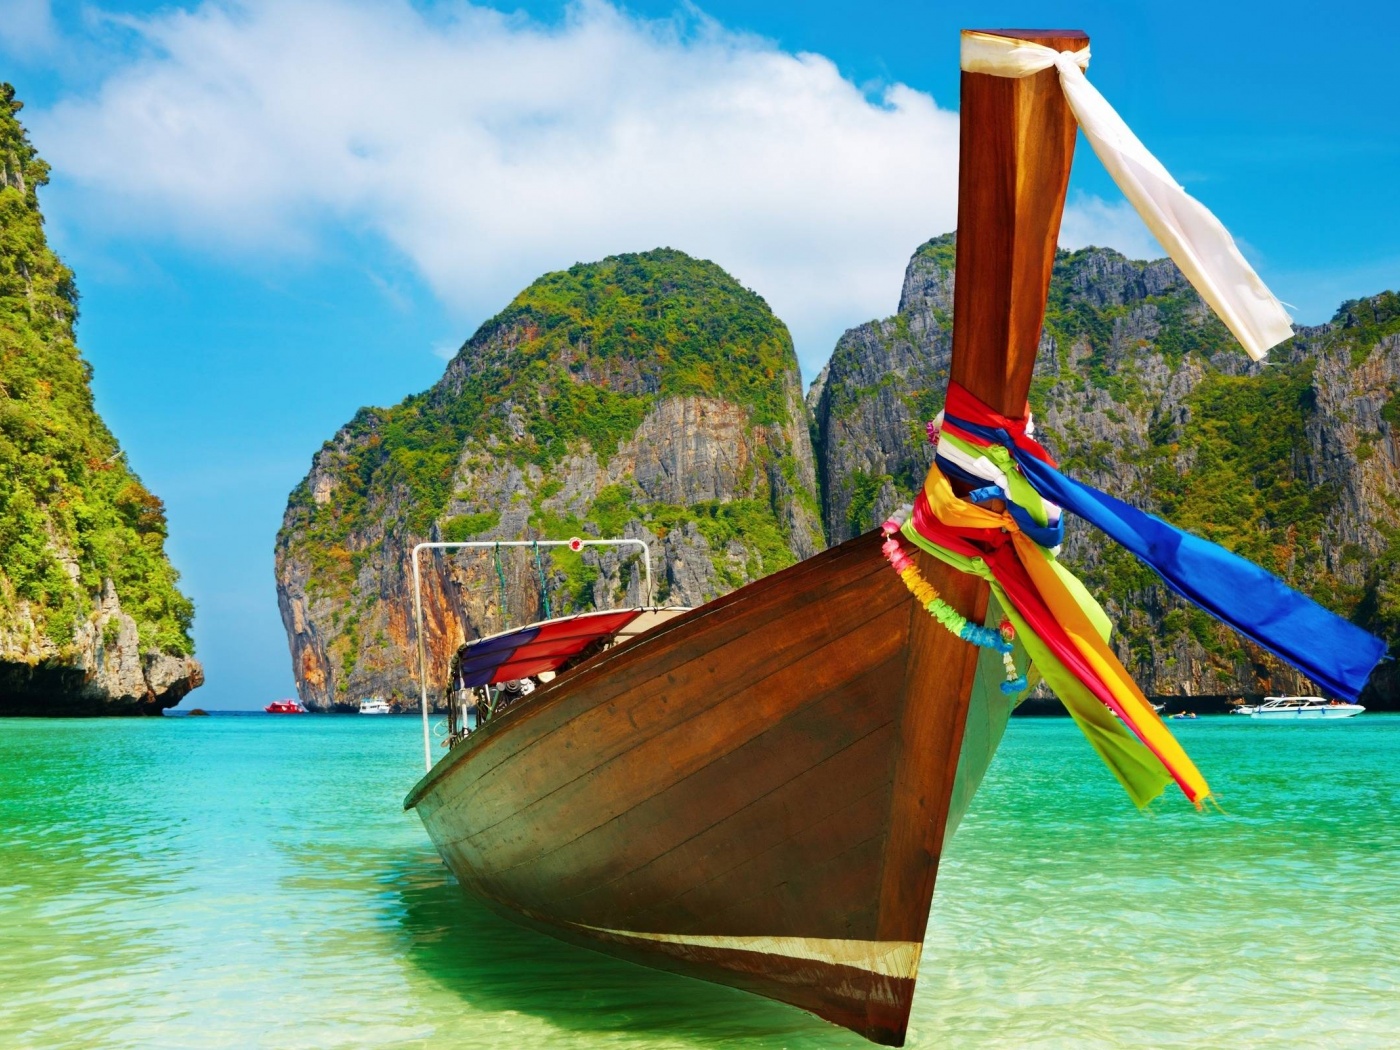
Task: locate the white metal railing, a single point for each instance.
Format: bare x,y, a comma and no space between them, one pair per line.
574,544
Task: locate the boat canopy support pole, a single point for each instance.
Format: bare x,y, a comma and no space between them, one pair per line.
573,544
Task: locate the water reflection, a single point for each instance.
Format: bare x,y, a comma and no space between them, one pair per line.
493,964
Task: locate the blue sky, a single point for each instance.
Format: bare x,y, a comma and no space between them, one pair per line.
279,212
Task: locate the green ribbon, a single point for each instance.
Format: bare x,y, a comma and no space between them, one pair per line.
1018,489
1134,766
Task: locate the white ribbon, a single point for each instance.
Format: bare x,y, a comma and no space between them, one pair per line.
1191,235
983,468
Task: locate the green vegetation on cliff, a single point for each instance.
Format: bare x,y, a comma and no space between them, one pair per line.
1363,323
676,325
1240,491
72,514
1141,390
523,437
579,356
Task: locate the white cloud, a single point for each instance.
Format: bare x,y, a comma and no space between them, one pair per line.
488,148
27,26
1094,222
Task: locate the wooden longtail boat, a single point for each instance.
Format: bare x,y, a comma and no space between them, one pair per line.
756,792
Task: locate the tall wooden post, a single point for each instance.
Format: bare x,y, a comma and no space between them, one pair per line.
1017,143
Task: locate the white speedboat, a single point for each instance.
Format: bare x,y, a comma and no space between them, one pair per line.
375,705
1280,708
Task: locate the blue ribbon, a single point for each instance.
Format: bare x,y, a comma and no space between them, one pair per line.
1333,652
1045,535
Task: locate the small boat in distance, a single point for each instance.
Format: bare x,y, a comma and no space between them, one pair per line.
283,707
1280,708
375,705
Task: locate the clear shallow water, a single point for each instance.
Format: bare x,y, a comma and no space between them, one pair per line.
252,882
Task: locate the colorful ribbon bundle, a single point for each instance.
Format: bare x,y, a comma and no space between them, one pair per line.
1063,629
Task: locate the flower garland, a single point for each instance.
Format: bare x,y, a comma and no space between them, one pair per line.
998,638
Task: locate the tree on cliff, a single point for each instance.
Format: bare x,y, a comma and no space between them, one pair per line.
90,616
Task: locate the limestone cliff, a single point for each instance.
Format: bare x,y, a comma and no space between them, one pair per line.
1140,391
647,396
91,620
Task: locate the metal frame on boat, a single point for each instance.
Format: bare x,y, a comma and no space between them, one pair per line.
574,544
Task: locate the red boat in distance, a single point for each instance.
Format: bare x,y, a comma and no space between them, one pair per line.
285,707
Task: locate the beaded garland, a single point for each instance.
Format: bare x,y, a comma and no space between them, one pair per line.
998,638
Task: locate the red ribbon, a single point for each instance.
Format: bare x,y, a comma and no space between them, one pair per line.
962,404
1023,594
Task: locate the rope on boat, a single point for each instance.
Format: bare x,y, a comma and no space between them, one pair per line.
501,582
544,590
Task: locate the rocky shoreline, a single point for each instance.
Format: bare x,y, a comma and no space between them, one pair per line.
103,671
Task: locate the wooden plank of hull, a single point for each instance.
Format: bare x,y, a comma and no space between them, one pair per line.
874,1004
778,832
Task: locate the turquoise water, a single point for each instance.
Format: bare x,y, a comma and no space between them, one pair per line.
252,881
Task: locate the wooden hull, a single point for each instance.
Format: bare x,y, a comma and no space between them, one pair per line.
754,793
